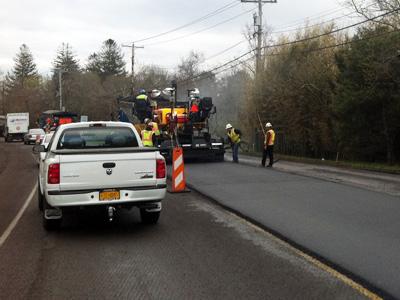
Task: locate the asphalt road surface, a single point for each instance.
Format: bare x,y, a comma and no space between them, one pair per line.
197,251
355,229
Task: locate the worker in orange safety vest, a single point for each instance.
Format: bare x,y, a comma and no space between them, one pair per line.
269,142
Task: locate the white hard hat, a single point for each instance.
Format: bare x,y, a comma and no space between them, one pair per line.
268,124
228,126
155,93
194,93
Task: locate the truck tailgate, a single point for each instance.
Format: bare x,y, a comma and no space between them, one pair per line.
111,170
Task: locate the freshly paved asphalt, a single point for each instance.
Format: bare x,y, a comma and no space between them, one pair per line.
197,251
356,229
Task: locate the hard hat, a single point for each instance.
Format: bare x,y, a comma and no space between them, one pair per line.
195,93
147,120
228,126
142,92
155,93
268,124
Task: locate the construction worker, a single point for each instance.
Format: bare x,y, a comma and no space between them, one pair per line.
147,136
154,127
268,145
234,138
142,105
194,110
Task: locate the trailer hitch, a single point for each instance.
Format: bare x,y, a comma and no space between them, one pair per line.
111,213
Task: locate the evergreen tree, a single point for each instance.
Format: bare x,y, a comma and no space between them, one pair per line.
67,63
66,60
24,70
93,65
108,62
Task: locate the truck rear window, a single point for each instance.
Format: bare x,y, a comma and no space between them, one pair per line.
97,137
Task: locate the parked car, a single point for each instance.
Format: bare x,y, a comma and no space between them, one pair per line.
99,164
33,135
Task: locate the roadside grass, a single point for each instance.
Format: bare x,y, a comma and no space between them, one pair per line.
377,167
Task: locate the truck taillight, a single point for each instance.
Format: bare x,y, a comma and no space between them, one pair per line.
53,174
160,169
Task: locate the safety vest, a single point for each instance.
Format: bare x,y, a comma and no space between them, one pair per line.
141,97
147,138
154,128
194,108
271,140
235,138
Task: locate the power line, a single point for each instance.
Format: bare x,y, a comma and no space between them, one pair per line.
278,31
209,15
312,25
333,31
294,42
224,51
202,30
208,75
312,17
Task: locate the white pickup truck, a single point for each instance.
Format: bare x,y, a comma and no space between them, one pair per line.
99,164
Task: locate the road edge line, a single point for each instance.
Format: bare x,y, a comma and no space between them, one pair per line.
16,219
316,261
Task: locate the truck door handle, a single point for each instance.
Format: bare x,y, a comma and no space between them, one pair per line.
108,165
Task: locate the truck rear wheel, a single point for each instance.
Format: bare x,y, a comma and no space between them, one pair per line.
149,217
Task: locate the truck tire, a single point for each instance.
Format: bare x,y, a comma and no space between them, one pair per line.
148,217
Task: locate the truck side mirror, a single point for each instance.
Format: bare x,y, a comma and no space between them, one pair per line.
38,149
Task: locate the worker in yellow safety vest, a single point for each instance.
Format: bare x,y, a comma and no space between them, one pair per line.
269,142
147,137
234,138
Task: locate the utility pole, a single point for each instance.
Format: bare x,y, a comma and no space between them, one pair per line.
60,72
133,47
258,22
60,86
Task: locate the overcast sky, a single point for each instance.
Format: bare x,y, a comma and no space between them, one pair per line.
44,24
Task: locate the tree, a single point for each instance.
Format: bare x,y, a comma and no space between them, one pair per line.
152,77
369,9
108,62
295,92
66,60
188,68
24,71
368,96
66,63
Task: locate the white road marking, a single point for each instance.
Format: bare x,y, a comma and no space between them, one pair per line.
14,222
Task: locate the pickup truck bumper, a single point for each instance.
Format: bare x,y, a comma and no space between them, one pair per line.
132,196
